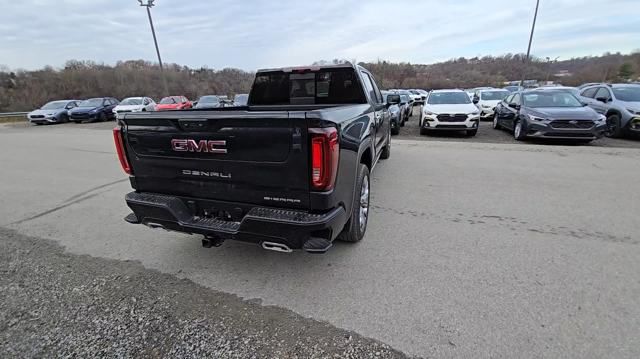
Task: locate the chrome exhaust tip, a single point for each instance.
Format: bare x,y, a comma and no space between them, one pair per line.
276,247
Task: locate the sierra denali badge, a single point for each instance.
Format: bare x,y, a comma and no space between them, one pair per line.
208,146
206,174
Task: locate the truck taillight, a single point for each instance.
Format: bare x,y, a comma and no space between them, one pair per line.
325,150
117,138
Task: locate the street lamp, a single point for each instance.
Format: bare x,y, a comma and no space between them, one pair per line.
526,60
149,4
549,66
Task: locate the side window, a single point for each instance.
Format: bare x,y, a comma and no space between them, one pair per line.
368,86
589,92
603,92
509,99
379,98
516,99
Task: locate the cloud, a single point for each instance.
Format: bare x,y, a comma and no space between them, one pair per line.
253,34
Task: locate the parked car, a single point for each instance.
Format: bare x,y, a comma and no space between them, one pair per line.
240,99
411,96
406,106
572,90
449,110
620,103
416,96
209,101
487,100
52,112
548,114
94,109
588,84
287,177
513,88
135,104
174,103
396,117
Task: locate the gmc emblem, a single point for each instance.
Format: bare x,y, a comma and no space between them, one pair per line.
207,146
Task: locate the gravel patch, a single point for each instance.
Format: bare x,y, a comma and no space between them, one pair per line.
56,304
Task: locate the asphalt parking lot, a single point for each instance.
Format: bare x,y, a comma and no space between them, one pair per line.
476,247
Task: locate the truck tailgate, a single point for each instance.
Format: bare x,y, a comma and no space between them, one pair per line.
240,156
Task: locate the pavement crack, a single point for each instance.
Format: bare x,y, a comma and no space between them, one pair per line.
55,209
95,189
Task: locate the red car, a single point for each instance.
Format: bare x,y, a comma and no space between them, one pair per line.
173,103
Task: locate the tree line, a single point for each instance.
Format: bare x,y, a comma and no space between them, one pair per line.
22,90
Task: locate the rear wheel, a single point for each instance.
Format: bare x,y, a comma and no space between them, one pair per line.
356,227
102,117
614,127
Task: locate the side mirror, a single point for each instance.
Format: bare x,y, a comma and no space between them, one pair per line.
602,99
393,99
514,106
584,104
476,100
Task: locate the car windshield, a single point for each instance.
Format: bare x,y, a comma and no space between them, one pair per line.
241,99
493,95
168,100
131,101
209,99
448,98
54,105
551,99
628,94
92,102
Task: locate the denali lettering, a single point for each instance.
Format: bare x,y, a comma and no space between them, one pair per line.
287,200
206,174
208,146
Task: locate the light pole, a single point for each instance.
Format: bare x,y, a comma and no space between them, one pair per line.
149,4
526,59
549,66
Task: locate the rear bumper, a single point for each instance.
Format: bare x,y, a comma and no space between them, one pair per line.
260,224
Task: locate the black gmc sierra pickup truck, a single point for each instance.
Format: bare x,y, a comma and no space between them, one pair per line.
288,171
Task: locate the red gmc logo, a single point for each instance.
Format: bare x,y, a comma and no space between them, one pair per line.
207,146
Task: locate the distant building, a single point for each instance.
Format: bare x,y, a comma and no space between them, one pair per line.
563,73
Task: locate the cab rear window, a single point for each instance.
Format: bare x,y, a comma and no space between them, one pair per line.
326,86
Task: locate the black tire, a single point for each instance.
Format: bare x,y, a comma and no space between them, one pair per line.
496,124
615,129
402,122
77,121
102,117
519,133
355,229
471,133
386,150
395,130
423,131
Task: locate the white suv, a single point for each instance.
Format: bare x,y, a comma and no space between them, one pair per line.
449,110
487,100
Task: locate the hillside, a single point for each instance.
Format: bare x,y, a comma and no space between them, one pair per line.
24,90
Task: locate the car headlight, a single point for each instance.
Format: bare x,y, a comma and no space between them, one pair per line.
536,119
601,118
635,112
429,113
486,106
94,110
474,113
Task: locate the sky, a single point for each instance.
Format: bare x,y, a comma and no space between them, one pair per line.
252,34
